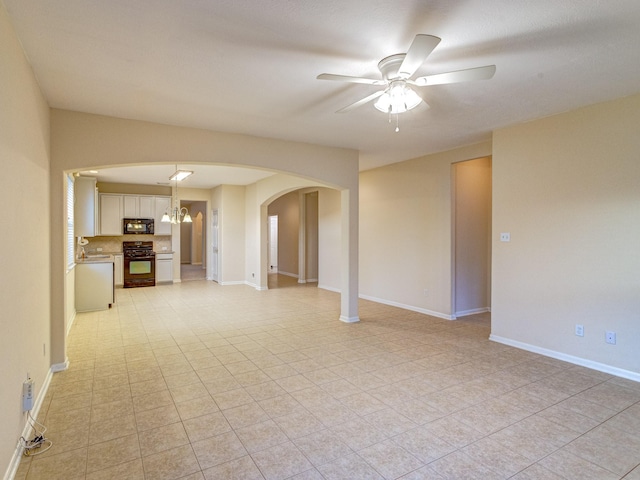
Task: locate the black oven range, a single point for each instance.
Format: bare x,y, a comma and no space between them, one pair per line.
139,264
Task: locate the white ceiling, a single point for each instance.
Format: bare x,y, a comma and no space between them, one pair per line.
250,66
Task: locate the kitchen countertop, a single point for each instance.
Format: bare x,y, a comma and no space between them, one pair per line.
96,258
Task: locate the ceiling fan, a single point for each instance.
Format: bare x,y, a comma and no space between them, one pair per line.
398,94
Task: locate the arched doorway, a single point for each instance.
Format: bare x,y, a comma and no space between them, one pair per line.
110,142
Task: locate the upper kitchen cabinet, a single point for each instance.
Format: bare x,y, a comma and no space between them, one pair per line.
138,206
162,205
85,207
111,214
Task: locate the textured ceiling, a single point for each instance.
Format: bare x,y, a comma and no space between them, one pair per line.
250,66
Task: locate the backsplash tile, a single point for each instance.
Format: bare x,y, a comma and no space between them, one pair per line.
114,244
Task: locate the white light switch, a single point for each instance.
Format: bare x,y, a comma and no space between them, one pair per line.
505,237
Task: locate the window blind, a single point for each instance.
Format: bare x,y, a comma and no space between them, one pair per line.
70,224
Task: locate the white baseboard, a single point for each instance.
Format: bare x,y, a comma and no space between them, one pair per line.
59,367
235,282
473,311
250,284
408,307
349,319
12,469
583,362
329,289
286,274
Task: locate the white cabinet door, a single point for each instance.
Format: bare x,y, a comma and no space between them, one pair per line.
110,214
131,206
162,205
93,286
138,206
85,207
164,268
118,266
146,207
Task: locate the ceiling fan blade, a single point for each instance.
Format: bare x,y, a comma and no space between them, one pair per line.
420,49
468,75
347,78
361,102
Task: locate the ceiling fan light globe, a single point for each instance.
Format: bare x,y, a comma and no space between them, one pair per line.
411,99
383,103
398,98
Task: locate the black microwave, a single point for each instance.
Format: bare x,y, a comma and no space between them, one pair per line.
137,226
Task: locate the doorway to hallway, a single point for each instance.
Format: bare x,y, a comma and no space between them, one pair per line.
471,292
193,242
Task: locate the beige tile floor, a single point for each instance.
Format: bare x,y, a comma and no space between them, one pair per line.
196,381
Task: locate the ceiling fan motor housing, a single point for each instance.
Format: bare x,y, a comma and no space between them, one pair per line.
390,65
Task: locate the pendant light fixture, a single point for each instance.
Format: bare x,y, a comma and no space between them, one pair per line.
174,214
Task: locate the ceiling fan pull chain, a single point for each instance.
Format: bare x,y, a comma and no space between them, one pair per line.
397,122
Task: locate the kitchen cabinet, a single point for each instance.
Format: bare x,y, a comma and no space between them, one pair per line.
138,206
146,207
85,207
164,268
94,286
162,205
118,270
111,214
114,207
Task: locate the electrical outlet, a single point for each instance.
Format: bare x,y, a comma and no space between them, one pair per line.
505,237
99,249
426,292
27,395
610,337
580,330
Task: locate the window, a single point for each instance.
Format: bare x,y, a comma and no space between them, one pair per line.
70,223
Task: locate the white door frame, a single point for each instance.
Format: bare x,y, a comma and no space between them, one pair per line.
272,228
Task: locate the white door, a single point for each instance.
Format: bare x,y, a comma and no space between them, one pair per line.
273,244
214,241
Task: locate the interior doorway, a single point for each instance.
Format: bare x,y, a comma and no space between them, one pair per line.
293,244
193,242
472,237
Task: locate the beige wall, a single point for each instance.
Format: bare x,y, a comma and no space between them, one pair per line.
406,231
133,189
311,236
567,188
25,273
229,200
329,234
